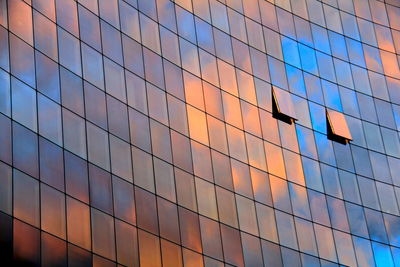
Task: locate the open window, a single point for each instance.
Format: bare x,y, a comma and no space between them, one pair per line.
282,106
337,127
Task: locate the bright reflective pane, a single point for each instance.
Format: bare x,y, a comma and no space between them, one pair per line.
338,124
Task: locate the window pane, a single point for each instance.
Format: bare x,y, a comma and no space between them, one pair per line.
45,35
78,223
45,7
206,199
95,105
76,177
71,91
67,15
247,215
25,150
146,210
74,133
70,55
26,198
211,237
143,169
185,190
51,164
227,207
103,234
121,163
168,219
124,206
115,80
165,182
53,211
275,163
49,119
24,104
22,60
149,247
197,125
100,189
338,125
89,27
6,188
5,93
129,20
127,244
190,229
232,246
54,250
20,20
48,78
283,105
98,146
118,118
92,63
26,244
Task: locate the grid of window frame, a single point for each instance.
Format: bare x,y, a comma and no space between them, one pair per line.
151,121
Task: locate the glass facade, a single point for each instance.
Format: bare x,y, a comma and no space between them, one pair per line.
200,133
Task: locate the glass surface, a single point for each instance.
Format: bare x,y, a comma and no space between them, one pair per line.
26,198
146,210
109,11
67,16
20,20
53,211
70,55
24,104
199,133
143,169
76,177
6,188
98,146
51,164
89,28
47,76
117,115
5,93
197,125
26,243
74,133
92,64
168,220
103,237
126,243
25,150
283,102
124,207
100,189
160,141
45,35
54,250
50,121
78,223
247,215
338,124
22,60
71,91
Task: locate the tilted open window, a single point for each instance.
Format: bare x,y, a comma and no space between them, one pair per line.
337,127
282,106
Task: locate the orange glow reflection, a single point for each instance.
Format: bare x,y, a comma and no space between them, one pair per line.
197,125
275,163
338,124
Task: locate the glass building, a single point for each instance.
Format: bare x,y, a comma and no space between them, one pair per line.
200,133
